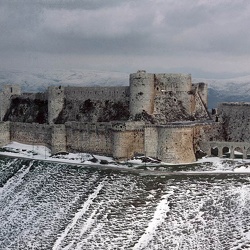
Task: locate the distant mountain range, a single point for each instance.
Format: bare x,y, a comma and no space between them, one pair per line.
226,90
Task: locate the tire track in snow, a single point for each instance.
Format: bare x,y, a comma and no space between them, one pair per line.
78,215
159,216
15,180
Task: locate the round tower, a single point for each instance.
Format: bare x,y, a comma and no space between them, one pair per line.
141,93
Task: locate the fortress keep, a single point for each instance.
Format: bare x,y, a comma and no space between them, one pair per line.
158,115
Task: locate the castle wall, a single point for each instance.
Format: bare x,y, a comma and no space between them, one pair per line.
58,139
235,118
151,141
206,132
127,143
175,144
104,120
30,133
178,85
89,137
4,133
128,139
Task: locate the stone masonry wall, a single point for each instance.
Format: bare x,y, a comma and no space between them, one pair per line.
58,139
175,144
151,141
4,133
127,143
30,133
207,132
89,137
235,119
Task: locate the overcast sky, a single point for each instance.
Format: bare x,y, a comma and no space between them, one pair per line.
208,38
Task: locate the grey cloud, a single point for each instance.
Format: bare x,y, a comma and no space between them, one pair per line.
64,4
143,29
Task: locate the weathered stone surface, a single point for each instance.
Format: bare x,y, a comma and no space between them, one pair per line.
159,115
27,110
235,120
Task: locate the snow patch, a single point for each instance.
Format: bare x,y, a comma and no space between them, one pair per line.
158,218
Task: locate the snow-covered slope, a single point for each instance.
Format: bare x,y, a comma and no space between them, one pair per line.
227,90
40,80
236,86
220,90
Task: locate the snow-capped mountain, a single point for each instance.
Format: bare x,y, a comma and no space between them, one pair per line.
39,81
227,90
220,90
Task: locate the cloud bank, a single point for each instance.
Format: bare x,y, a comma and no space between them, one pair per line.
200,37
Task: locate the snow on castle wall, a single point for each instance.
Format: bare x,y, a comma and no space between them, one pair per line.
89,137
104,120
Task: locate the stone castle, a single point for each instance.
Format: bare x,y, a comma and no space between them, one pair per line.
159,115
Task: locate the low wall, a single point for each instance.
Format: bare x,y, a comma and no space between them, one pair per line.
89,137
30,133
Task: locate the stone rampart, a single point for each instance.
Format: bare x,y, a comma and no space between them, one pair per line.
175,145
58,138
235,119
4,133
30,133
127,143
89,137
151,141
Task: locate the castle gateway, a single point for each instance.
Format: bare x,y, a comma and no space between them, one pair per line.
159,115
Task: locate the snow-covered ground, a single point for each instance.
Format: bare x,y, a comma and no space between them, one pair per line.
38,152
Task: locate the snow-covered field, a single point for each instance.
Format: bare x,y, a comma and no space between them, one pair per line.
47,205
